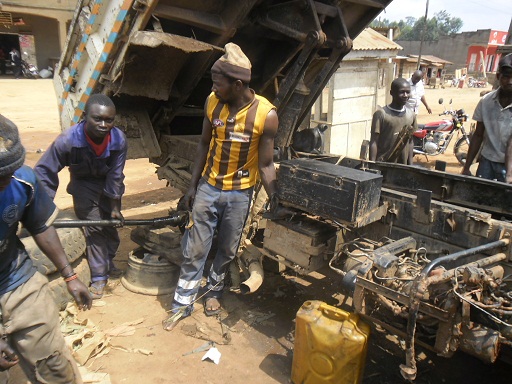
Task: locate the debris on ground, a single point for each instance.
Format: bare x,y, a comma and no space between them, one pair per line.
213,354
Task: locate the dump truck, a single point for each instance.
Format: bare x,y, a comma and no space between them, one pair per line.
423,253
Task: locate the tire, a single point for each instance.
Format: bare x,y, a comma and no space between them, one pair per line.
460,150
58,287
73,242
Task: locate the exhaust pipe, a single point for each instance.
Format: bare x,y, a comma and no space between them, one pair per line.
251,262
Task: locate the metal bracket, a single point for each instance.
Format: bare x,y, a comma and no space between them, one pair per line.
423,212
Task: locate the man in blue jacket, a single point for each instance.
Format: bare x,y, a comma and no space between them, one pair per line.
95,152
29,322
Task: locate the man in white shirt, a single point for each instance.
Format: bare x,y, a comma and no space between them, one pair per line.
417,93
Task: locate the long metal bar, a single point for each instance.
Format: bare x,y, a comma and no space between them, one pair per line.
173,221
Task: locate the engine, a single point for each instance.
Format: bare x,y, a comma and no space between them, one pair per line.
433,142
468,307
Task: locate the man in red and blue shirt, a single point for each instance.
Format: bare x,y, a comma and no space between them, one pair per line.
95,153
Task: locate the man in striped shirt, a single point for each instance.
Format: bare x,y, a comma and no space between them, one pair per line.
235,152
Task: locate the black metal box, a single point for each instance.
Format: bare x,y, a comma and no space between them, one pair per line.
328,190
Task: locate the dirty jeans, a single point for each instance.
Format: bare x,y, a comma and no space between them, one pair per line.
101,242
491,170
214,209
30,321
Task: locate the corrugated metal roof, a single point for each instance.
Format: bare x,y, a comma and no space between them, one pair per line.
370,40
431,59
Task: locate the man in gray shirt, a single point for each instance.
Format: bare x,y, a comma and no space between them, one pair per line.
493,115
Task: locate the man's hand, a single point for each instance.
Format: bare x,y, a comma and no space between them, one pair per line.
116,215
466,172
429,110
7,356
187,201
80,293
273,203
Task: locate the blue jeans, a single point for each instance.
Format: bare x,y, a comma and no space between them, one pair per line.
214,209
491,170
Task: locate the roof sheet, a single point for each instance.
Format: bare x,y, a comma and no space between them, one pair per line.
432,59
373,40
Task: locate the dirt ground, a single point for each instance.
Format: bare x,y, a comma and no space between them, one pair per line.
255,334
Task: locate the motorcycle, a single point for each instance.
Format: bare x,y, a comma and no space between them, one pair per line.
474,83
433,138
28,70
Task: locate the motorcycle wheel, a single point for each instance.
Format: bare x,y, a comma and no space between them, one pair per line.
460,150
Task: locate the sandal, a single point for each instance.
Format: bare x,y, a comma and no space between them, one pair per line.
97,288
172,321
208,310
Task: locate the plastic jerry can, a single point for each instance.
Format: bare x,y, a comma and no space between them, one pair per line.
330,345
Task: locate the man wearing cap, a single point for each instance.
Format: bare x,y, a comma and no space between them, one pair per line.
493,116
235,151
30,330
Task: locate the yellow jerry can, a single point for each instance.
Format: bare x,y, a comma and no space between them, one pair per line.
330,345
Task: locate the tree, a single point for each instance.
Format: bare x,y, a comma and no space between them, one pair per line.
441,24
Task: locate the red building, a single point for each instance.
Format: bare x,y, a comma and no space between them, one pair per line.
484,57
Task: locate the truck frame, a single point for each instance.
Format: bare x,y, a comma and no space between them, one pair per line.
431,262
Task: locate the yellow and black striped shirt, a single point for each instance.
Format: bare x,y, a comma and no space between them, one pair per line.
232,161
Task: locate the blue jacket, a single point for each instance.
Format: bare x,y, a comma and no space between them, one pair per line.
24,200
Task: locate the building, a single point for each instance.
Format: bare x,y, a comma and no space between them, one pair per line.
463,50
37,28
353,93
433,67
483,57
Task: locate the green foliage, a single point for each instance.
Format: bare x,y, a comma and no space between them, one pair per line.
441,24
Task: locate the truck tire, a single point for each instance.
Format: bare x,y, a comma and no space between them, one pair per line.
73,242
58,287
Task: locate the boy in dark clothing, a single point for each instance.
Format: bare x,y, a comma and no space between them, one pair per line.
95,152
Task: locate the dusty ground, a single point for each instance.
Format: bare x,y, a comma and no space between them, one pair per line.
260,326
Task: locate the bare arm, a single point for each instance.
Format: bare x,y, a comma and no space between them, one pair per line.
474,147
424,101
48,241
508,161
266,154
373,146
115,207
374,138
201,153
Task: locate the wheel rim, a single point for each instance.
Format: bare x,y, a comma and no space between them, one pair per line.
461,151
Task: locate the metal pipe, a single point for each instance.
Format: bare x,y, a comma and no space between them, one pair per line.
447,275
462,254
251,260
173,221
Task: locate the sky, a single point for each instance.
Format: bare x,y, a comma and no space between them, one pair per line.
476,14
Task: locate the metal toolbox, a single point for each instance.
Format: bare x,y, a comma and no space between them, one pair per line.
327,190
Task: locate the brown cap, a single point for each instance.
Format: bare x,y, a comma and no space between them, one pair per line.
233,64
505,62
